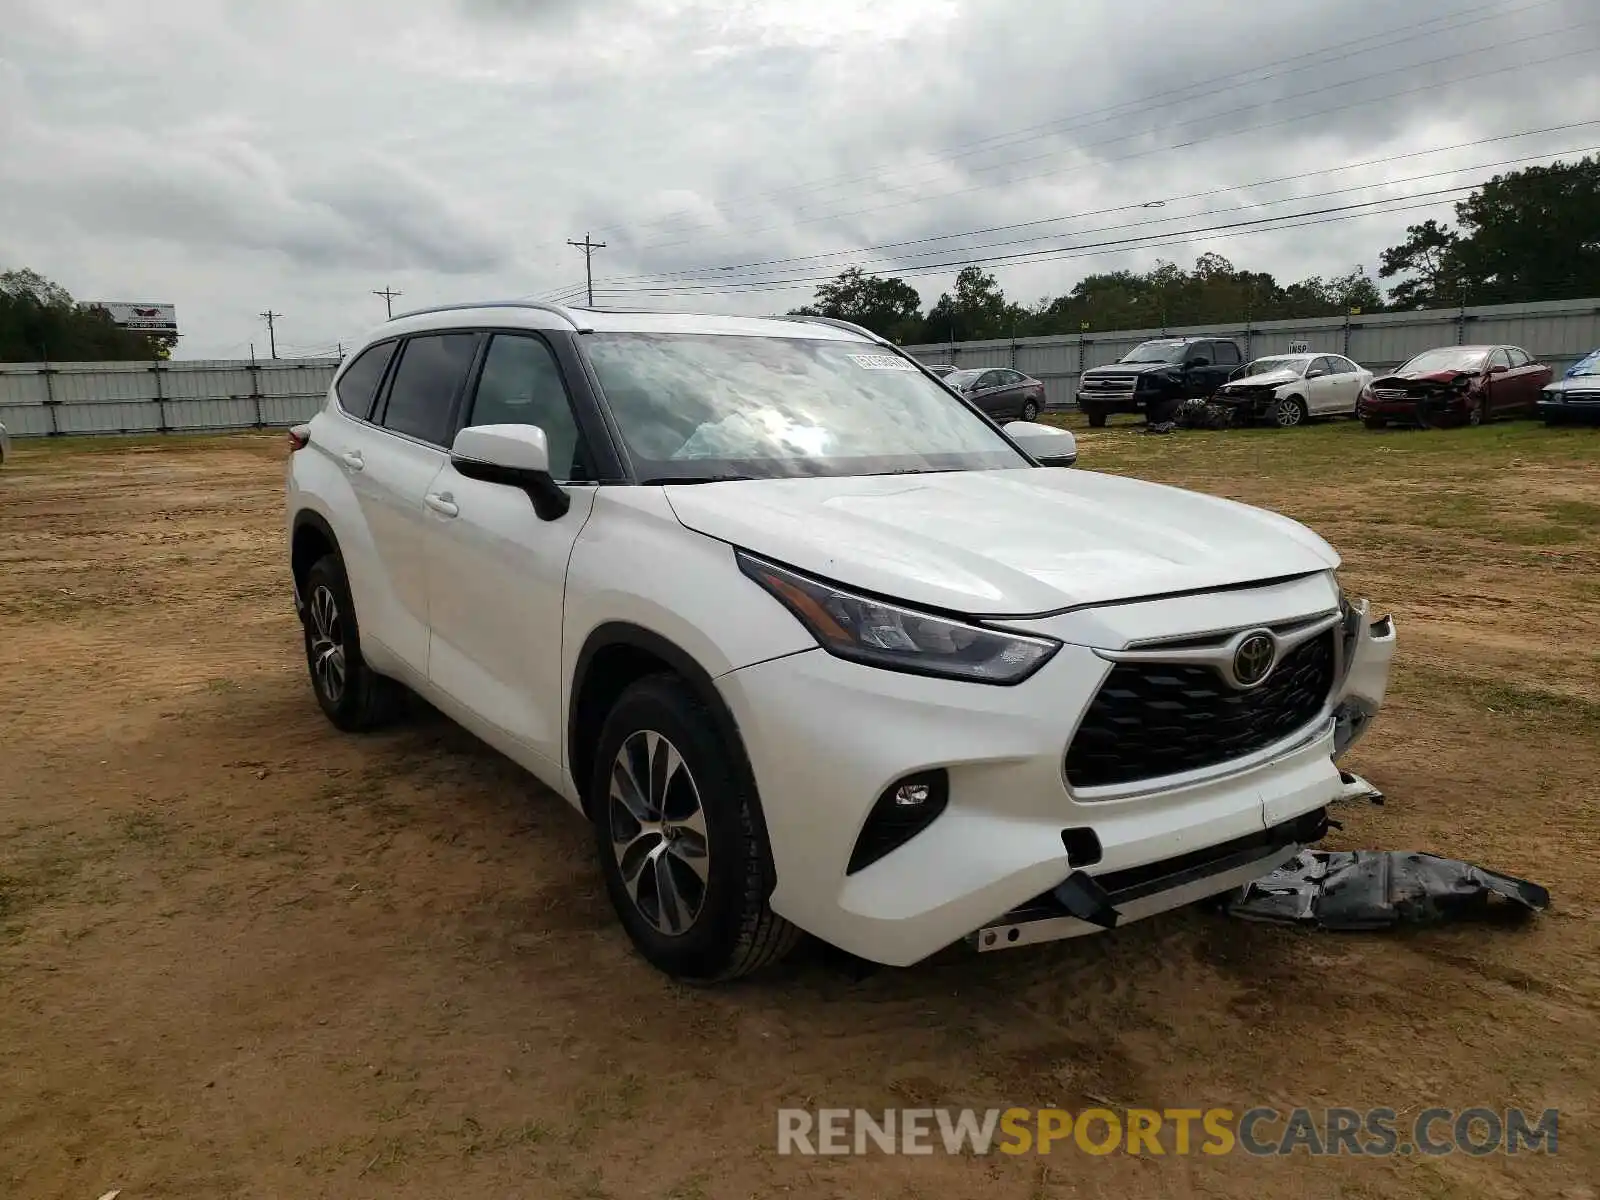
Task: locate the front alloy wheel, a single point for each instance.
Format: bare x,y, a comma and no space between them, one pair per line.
1287,412
658,832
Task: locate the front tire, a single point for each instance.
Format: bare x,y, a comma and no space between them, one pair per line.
352,695
676,835
1289,412
1478,412
1096,415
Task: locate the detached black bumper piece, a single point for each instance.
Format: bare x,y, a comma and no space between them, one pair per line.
1379,889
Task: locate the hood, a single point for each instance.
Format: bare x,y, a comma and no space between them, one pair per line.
1266,379
1574,383
1003,543
1131,368
1424,377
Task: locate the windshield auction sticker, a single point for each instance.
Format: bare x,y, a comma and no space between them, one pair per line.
882,362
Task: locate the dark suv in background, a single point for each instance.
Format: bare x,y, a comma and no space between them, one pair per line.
1156,376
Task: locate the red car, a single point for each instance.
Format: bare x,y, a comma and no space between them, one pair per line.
1456,385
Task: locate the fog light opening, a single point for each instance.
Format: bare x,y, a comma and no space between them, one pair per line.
1083,847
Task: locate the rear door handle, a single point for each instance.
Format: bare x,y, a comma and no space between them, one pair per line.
441,504
353,460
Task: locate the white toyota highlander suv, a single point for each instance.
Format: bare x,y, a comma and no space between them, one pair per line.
812,642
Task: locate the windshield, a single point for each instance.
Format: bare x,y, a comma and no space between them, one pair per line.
1263,366
961,379
1448,359
1587,365
1155,352
706,407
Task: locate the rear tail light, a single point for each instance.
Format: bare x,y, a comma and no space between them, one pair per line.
299,438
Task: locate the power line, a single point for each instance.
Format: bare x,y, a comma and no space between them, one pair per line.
736,269
588,247
389,297
925,197
1179,237
1453,20
272,332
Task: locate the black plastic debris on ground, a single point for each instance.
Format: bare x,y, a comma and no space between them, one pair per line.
1378,889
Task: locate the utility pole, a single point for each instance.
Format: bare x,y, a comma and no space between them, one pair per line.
272,333
588,247
388,295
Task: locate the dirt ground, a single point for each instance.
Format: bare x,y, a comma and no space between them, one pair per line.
244,955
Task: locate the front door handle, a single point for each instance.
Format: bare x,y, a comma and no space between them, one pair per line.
442,504
353,460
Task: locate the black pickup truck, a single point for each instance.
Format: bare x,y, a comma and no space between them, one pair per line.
1156,376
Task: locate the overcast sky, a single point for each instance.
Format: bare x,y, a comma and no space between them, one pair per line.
236,156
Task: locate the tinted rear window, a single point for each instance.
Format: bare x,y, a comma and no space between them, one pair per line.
359,383
423,393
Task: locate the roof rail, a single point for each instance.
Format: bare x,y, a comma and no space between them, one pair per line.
557,309
838,324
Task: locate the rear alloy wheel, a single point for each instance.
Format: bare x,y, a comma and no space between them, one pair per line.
676,833
1030,409
1288,412
354,696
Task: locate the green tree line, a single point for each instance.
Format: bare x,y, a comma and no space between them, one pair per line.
39,321
1526,236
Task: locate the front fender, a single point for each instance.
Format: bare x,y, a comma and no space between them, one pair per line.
1369,651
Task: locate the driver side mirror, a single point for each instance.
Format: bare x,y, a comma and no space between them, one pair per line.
1316,373
515,455
1045,444
1498,368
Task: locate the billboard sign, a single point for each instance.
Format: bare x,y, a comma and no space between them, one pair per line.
140,318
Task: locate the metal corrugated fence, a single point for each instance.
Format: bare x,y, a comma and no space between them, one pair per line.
1557,332
45,399
58,399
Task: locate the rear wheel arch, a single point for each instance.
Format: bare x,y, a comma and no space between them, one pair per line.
313,538
616,655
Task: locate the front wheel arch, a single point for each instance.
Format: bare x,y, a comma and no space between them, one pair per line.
617,654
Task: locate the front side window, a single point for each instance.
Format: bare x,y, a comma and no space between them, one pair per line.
694,406
521,385
422,397
359,384
1500,359
1520,358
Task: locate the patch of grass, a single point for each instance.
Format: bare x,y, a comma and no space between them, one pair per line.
1556,710
141,827
1574,512
1538,535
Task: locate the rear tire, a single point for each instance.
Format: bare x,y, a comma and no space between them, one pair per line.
683,865
352,695
1030,409
1096,415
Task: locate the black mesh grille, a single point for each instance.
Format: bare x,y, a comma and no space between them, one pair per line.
1154,719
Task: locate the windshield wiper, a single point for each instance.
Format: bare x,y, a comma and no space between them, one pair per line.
661,480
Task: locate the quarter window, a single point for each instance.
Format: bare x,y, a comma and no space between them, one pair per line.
521,385
422,396
1225,354
359,384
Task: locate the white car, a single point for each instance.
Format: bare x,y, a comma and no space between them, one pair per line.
810,640
1287,389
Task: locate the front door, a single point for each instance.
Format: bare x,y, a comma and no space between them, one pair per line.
496,571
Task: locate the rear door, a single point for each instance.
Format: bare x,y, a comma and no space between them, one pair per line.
497,571
1348,382
401,451
1530,377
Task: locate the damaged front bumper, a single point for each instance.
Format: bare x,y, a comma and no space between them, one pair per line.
1366,652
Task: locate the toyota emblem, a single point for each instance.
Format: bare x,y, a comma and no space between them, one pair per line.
1252,661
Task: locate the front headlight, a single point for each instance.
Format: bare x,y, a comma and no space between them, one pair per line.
1548,397
881,634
